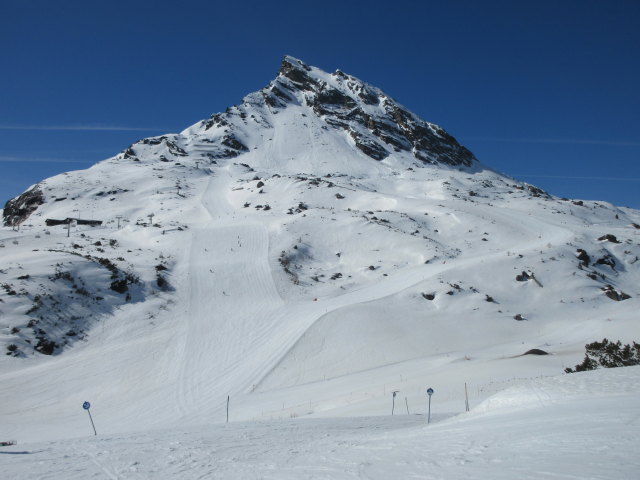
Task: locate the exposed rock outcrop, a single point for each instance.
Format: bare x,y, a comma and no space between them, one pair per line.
18,209
375,122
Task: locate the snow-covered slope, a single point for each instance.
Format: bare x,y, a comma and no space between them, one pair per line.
577,426
307,252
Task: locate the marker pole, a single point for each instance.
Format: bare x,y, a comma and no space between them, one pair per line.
466,397
90,418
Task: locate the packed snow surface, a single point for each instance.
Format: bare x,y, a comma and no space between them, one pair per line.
575,426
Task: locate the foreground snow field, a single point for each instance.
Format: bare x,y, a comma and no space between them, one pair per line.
579,426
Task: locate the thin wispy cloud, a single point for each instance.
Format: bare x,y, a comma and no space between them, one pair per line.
565,141
10,159
91,128
572,177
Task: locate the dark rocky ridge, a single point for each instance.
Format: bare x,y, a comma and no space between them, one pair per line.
18,209
377,135
349,106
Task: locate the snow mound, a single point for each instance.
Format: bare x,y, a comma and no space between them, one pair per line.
568,388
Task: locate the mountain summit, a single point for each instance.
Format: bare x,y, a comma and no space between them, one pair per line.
373,121
332,112
317,242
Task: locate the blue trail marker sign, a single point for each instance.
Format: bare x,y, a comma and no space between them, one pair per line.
87,406
429,392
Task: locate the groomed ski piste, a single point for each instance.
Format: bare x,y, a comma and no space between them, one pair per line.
576,426
361,278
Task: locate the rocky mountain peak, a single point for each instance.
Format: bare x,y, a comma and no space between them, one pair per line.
297,73
377,125
309,110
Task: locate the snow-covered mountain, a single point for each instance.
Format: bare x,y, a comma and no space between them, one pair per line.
307,252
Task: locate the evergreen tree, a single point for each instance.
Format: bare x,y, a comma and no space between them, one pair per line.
608,354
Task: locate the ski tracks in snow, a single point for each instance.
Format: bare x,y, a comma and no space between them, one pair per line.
300,317
238,329
230,292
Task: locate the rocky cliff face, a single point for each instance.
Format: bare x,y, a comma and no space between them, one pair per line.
377,124
18,209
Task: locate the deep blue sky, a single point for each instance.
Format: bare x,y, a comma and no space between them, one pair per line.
548,92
